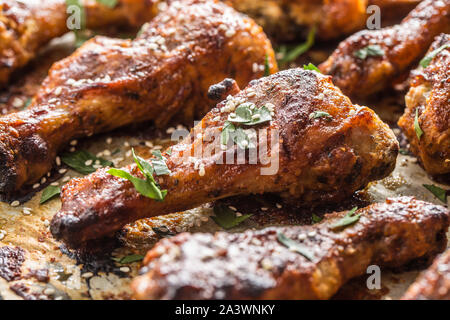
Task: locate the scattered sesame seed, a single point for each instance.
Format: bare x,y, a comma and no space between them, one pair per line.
279,206
48,291
73,142
301,236
109,140
2,235
88,162
149,144
54,183
312,234
124,269
72,149
15,203
106,152
230,32
66,178
232,208
57,91
17,102
62,171
126,144
36,185
201,170
238,214
87,275
46,223
26,211
264,209
58,161
43,180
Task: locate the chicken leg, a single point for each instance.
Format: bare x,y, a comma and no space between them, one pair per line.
163,75
369,60
319,147
259,265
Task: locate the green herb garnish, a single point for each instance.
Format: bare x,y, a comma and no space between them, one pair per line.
49,193
226,218
227,129
320,114
294,53
148,186
311,67
294,246
266,66
159,164
419,131
83,161
438,192
316,218
129,259
373,50
245,114
349,219
427,59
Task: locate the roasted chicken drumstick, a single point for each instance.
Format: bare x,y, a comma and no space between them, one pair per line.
303,262
328,148
26,26
429,97
433,283
369,60
163,75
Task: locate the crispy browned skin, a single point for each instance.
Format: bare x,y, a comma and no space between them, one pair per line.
403,46
255,265
430,95
108,83
25,27
434,283
287,19
319,159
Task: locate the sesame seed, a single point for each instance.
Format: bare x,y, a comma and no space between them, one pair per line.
106,152
2,235
73,142
312,234
149,144
36,185
279,206
238,214
43,180
230,33
54,184
232,208
46,223
264,209
48,291
17,103
58,161
88,162
126,144
124,269
87,275
62,171
26,211
201,170
66,178
15,203
301,236
109,140
72,149
57,91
